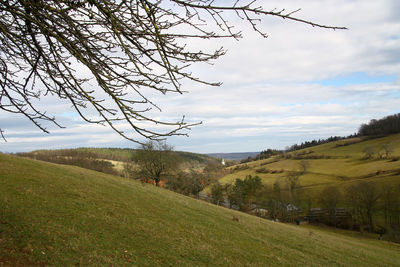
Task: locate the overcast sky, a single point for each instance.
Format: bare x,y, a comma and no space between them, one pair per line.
299,84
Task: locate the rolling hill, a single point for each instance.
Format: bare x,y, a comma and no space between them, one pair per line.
339,163
62,215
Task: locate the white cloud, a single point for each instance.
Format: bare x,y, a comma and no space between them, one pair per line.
271,96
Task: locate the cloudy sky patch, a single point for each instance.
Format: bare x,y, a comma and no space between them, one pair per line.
300,83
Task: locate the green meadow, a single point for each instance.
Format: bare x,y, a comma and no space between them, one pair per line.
57,215
339,163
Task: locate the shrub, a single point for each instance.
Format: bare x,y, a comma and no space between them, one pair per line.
263,170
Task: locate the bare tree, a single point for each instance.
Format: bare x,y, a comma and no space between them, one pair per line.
369,152
330,198
155,160
107,57
292,180
391,205
387,150
364,198
304,166
217,193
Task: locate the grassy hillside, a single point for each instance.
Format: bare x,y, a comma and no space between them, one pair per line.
68,216
338,163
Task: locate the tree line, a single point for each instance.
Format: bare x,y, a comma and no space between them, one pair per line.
363,206
381,127
117,154
374,207
315,142
265,154
76,157
385,126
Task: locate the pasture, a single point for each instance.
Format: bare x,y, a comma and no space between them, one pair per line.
61,215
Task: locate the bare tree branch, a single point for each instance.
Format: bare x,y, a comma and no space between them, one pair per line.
2,135
107,57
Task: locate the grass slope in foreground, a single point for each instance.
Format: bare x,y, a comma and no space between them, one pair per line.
63,215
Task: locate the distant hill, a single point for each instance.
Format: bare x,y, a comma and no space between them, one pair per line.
233,156
58,215
107,160
116,154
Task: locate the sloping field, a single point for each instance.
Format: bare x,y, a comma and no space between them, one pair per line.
68,216
338,163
